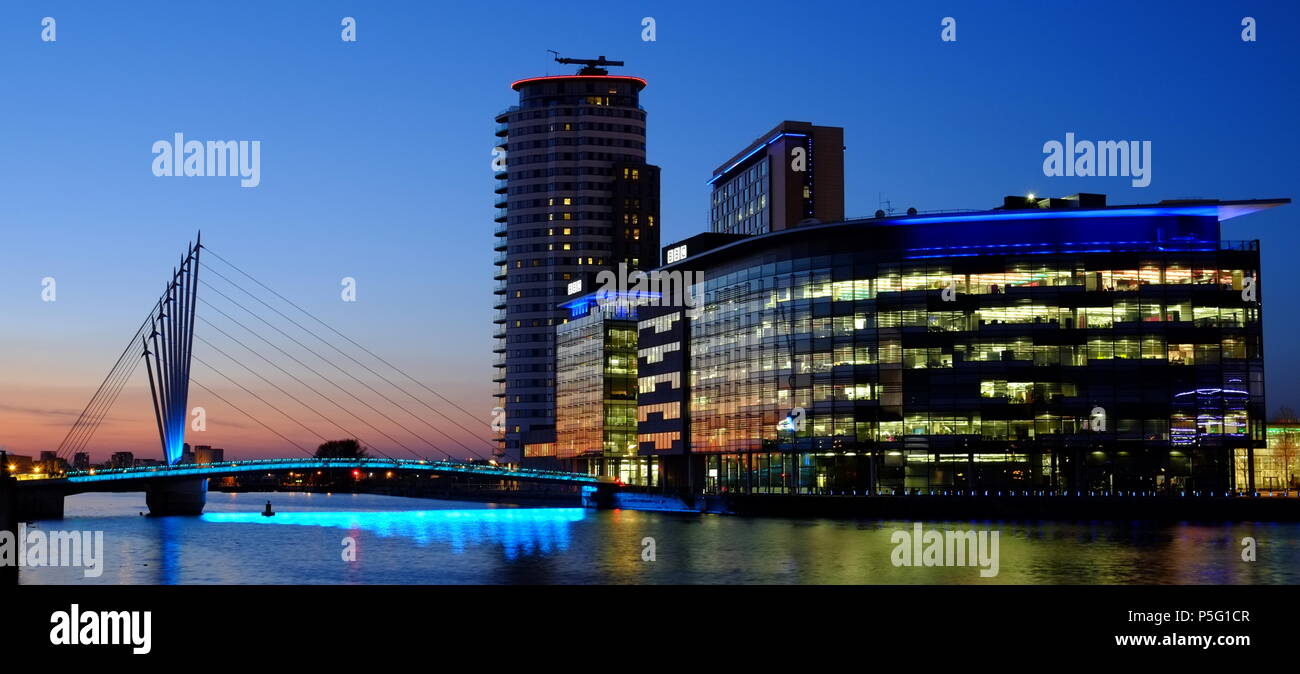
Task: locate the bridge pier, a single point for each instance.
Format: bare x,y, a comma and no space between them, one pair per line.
600,497
37,504
177,497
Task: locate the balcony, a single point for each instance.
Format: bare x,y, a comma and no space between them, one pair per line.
506,113
500,215
502,186
500,200
499,229
501,175
499,260
503,129
501,273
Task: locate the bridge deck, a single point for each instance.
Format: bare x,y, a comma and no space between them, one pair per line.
269,465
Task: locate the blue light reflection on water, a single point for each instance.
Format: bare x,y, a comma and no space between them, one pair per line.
423,541
518,531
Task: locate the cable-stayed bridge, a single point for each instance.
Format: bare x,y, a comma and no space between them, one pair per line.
315,381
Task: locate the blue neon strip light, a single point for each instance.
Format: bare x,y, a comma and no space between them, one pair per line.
265,465
1064,247
740,161
1052,214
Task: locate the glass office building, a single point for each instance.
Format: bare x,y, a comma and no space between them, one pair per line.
1046,345
596,359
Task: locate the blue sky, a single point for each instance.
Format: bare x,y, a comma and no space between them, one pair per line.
375,154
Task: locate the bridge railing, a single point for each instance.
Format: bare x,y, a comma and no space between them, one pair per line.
253,465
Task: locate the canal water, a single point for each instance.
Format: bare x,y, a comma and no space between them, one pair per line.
415,541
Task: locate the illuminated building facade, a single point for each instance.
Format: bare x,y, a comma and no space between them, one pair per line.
204,454
1045,345
574,196
1277,466
791,174
596,407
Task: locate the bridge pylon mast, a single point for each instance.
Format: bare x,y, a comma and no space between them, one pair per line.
167,351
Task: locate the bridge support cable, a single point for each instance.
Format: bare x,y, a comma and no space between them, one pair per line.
316,372
343,371
84,427
277,387
348,374
491,444
294,377
104,409
239,409
264,401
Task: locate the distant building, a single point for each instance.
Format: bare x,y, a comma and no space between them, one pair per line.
207,454
18,464
187,453
49,462
121,460
81,461
142,463
793,173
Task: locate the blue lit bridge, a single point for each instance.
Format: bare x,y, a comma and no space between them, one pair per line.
42,497
87,480
165,342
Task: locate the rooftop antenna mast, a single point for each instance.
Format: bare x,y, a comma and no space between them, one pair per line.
594,66
886,205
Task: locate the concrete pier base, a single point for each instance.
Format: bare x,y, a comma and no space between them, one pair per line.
177,497
37,504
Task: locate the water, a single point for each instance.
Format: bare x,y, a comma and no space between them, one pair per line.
416,541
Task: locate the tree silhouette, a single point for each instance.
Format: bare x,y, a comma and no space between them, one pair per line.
341,449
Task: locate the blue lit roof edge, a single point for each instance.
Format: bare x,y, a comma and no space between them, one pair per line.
1232,208
751,153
